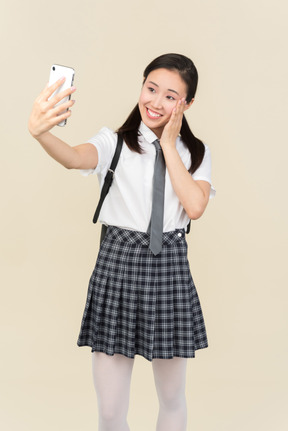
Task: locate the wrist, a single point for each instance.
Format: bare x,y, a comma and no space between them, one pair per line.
39,136
169,148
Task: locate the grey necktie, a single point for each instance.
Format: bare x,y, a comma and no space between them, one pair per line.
156,223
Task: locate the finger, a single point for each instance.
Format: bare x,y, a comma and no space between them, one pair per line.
181,109
178,111
43,95
177,107
57,84
49,90
182,105
58,118
63,107
60,96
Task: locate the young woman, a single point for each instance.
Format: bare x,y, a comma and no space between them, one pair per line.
141,301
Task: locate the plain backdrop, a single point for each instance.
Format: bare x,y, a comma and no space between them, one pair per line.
237,250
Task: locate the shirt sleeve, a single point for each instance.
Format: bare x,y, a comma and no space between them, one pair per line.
203,173
105,143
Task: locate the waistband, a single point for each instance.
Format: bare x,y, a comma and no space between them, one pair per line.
118,234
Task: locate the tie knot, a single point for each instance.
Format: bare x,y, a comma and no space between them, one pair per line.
157,145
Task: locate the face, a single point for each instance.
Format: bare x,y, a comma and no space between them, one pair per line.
160,93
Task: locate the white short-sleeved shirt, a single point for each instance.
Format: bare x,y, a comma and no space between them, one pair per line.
129,201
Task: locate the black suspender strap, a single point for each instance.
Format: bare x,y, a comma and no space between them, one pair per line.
109,177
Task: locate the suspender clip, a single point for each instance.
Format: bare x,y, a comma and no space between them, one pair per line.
112,172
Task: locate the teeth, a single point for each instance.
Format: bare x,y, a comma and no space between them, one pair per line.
153,114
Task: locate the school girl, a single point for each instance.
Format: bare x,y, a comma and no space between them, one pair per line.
141,296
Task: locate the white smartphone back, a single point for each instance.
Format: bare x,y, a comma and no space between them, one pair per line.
56,72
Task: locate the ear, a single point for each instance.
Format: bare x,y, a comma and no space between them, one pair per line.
189,104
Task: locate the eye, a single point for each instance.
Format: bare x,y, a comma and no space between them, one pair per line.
170,98
151,89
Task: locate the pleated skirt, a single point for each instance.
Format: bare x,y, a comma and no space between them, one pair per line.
141,304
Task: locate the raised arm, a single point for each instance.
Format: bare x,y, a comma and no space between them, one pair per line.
193,195
44,116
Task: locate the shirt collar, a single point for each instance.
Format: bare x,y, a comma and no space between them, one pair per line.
147,133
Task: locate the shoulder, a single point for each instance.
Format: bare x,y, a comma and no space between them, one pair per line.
105,135
105,142
207,150
203,173
205,164
184,151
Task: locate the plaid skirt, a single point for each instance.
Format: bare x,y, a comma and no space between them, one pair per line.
138,303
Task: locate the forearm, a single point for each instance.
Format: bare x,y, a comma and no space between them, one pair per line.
46,113
192,196
59,150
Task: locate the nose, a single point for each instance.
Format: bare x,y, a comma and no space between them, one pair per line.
157,101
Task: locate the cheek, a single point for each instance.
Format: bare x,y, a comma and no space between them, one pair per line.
143,98
169,109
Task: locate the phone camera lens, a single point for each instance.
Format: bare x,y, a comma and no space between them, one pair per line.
53,68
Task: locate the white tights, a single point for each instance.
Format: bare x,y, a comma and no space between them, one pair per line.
112,377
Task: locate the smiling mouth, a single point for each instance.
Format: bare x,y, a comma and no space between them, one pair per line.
152,114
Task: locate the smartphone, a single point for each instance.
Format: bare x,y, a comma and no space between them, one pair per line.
56,72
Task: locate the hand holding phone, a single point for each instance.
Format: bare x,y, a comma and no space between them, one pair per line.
52,106
57,72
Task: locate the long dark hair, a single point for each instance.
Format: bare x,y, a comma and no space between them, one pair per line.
188,72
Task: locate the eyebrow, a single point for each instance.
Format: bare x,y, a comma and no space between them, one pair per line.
169,89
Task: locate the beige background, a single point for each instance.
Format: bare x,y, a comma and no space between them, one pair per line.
237,250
